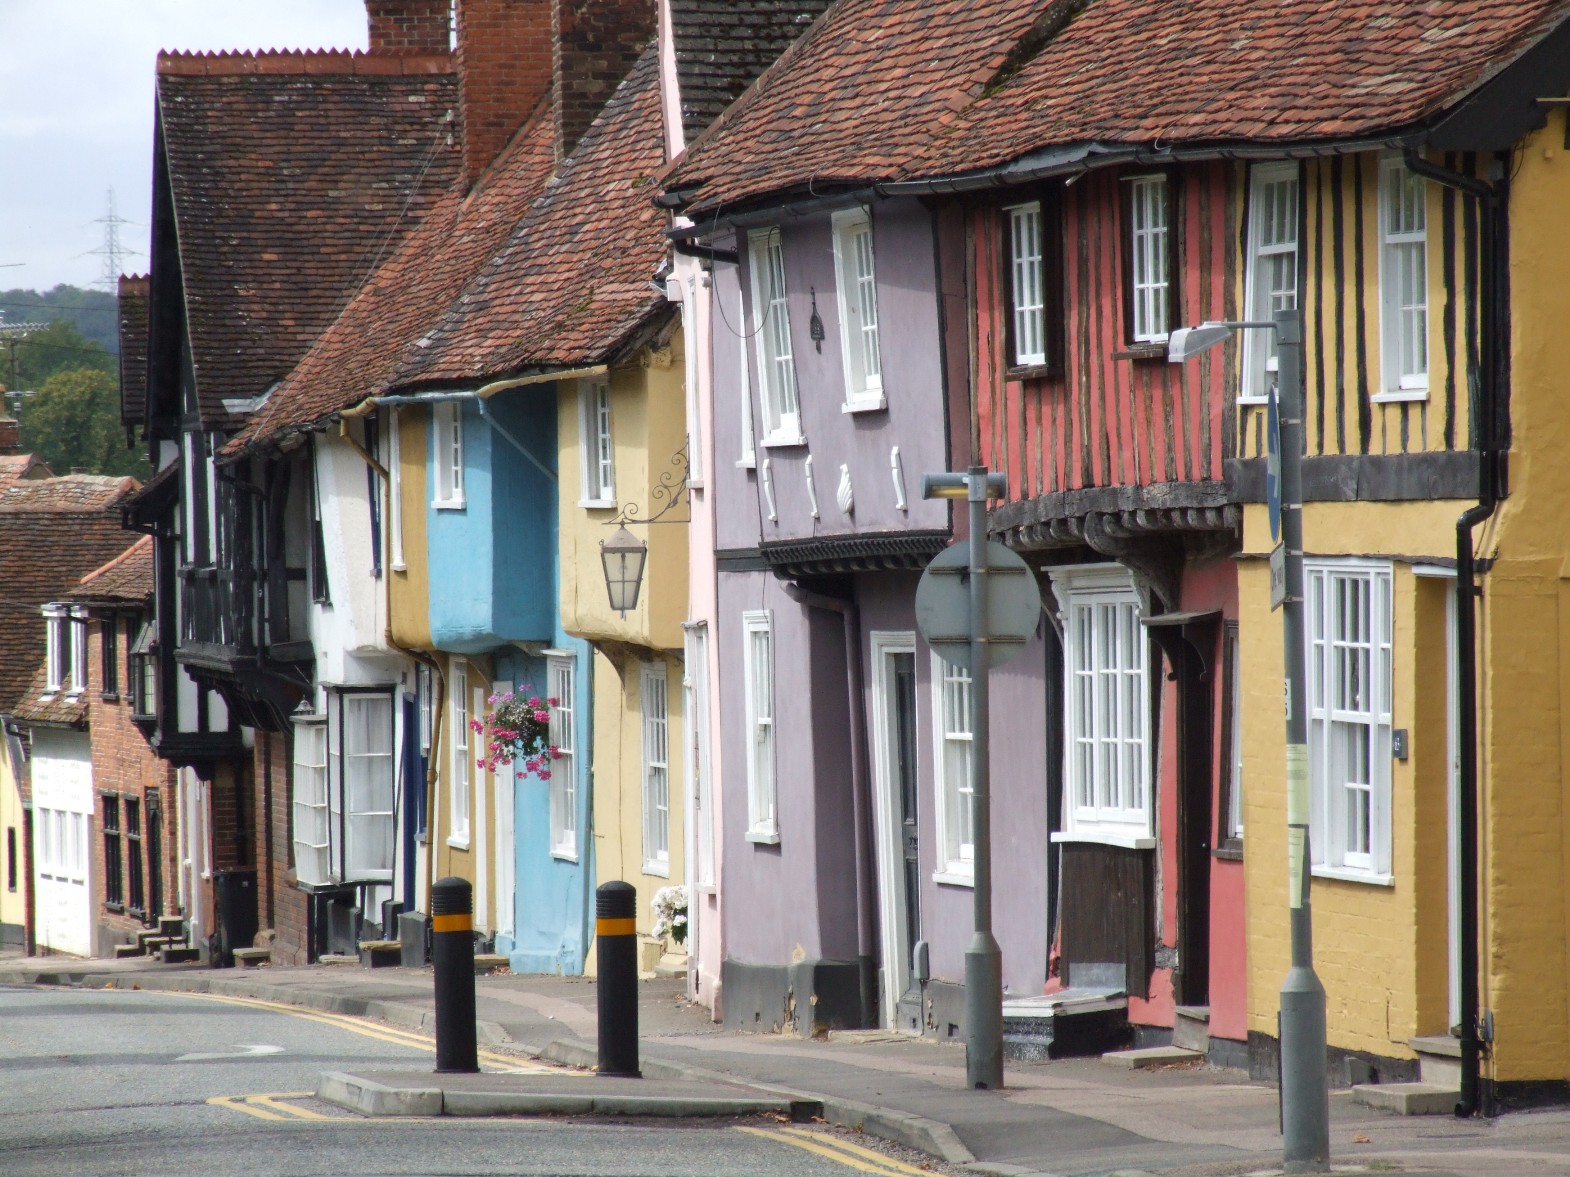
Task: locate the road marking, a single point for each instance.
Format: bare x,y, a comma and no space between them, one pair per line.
246,1050
840,1151
390,1034
236,1103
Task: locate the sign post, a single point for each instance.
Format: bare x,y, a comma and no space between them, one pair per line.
977,606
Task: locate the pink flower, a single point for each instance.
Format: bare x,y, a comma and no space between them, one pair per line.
554,701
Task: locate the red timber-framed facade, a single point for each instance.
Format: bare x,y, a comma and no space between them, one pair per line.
1115,463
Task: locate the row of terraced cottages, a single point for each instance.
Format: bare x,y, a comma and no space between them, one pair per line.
525,368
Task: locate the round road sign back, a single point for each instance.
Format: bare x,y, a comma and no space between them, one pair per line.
943,604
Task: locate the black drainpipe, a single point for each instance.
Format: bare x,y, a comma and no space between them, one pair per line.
1493,320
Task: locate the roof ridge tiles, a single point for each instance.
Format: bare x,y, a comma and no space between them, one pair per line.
136,546
355,62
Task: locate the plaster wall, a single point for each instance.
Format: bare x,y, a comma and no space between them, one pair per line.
409,590
1380,950
354,624
62,778
13,900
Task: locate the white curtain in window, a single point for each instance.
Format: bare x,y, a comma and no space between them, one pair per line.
369,788
312,828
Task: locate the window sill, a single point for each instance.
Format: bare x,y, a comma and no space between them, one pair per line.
1345,875
869,405
597,504
1401,396
563,854
1230,850
1129,841
1030,372
1152,350
660,870
784,441
458,843
109,696
764,837
1254,401
398,566
449,504
114,907
953,878
746,463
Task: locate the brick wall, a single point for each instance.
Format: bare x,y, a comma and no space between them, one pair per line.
596,44
408,27
124,764
283,904
504,70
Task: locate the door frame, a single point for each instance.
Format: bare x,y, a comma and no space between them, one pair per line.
895,973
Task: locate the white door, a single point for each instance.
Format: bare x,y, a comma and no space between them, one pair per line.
62,831
894,714
1453,814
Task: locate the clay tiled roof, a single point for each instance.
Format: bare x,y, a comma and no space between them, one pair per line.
14,467
133,347
52,531
291,176
571,285
38,705
723,45
125,580
358,356
883,90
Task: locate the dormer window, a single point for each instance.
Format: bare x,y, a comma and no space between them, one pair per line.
57,641
78,631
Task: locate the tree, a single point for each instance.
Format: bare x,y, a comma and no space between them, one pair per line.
94,313
73,423
58,347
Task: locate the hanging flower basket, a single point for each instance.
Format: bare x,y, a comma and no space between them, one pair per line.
517,731
670,913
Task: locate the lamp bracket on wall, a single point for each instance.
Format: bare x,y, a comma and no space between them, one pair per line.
666,494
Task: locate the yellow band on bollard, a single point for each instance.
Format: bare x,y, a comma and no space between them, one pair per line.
626,926
452,923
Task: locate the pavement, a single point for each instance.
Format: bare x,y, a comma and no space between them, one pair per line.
1068,1118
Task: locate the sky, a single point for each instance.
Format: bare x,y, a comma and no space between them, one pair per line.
76,114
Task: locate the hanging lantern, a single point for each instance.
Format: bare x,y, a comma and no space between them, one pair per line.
623,555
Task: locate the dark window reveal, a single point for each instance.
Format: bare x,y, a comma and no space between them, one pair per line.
114,873
109,633
133,854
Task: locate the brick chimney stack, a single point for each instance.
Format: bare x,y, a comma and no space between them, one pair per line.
504,70
409,28
10,436
596,44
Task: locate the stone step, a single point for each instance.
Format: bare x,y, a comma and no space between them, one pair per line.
250,958
1191,1028
1027,1048
1151,1056
381,954
177,954
1407,1099
337,958
489,962
121,951
171,925
145,938
1438,1059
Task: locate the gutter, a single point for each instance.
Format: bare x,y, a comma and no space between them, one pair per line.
860,792
1493,316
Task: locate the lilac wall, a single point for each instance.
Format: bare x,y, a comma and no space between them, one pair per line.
908,329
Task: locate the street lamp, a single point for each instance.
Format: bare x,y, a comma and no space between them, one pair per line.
623,556
1305,1094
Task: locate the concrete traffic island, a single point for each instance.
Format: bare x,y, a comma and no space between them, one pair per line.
566,1093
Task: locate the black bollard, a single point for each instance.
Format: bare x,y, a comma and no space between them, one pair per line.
452,953
616,936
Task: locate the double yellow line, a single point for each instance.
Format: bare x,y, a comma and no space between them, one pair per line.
382,1033
268,1107
842,1151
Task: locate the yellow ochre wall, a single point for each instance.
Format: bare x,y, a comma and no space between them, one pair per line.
1524,665
457,860
1380,950
408,590
13,904
647,430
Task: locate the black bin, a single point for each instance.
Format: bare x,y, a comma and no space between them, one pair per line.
235,892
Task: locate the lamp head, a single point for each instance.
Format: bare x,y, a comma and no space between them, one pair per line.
1187,342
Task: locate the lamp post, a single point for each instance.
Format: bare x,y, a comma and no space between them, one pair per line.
623,556
1305,1094
984,957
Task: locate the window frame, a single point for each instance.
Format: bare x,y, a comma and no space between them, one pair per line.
355,814
447,490
135,874
597,445
109,658
114,854
310,780
1133,254
774,350
1048,360
1229,826
864,390
953,811
1087,815
1327,828
57,649
749,435
1394,384
561,676
459,780
762,777
1259,347
78,623
695,682
655,767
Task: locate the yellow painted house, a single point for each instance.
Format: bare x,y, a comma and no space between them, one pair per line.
1433,301
623,461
